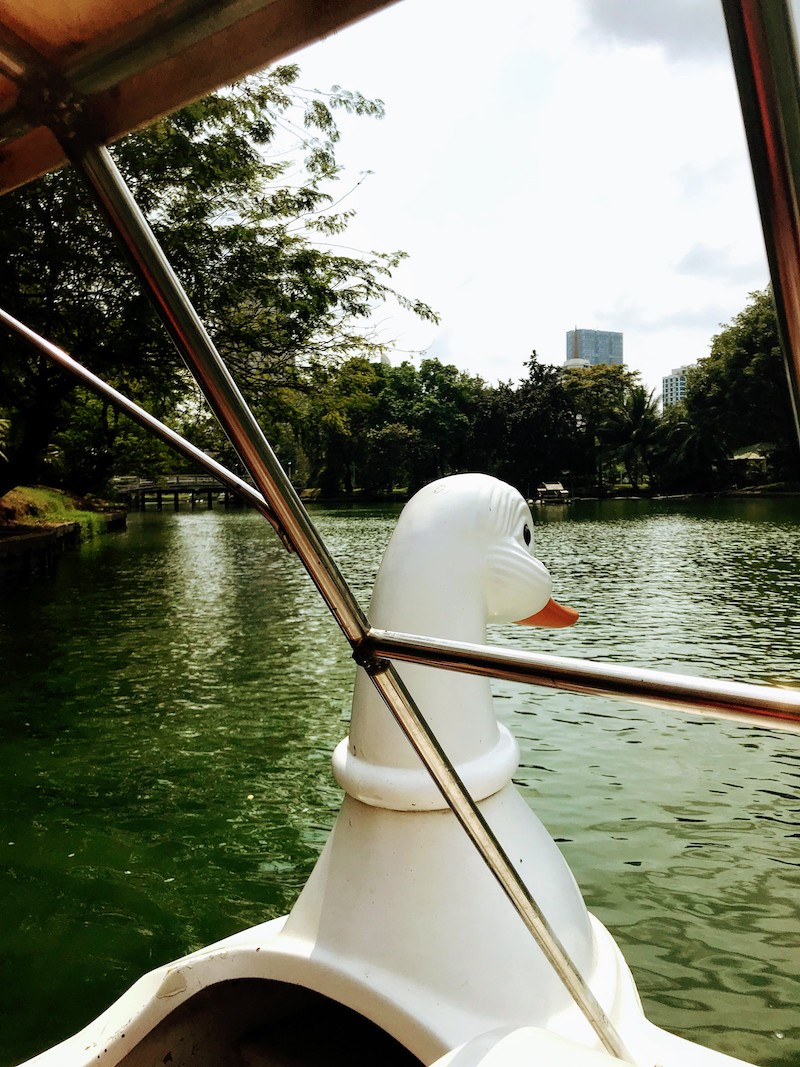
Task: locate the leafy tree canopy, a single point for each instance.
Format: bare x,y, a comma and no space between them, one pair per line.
738,396
238,188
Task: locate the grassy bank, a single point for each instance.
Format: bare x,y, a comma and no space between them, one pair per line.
36,509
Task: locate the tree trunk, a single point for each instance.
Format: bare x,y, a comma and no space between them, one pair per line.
31,433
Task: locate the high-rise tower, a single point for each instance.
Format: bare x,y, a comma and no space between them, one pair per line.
593,347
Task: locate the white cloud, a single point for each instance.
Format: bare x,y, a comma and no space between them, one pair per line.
685,30
707,261
558,165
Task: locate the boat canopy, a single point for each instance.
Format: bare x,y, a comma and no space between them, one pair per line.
113,66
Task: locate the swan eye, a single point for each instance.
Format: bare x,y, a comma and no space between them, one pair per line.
526,533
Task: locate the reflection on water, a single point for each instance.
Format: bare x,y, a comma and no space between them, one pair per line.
171,700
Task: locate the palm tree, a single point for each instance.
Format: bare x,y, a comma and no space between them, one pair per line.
689,454
629,431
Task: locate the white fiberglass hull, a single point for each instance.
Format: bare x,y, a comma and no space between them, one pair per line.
245,1001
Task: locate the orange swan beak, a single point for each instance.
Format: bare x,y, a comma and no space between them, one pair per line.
553,615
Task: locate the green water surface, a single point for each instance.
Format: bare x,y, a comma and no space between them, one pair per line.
170,700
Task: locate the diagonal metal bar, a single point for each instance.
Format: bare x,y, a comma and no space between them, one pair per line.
400,702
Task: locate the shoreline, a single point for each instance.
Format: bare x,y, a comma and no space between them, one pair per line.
757,493
38,525
30,551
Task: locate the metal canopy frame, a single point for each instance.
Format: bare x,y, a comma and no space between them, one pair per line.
762,44
764,51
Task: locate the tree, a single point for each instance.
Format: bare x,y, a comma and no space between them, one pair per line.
338,417
687,456
630,429
391,457
241,218
431,413
375,426
442,415
738,395
593,393
538,424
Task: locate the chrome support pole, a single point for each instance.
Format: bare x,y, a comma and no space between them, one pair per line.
764,51
767,706
194,344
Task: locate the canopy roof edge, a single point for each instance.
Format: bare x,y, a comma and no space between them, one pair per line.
130,72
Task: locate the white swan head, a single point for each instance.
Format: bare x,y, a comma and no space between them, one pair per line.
461,556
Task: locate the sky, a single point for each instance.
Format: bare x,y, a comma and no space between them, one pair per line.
579,163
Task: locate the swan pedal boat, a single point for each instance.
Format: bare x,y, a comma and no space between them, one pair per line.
402,948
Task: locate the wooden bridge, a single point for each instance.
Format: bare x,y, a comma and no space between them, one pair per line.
196,489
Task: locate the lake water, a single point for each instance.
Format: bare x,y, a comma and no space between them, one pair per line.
171,699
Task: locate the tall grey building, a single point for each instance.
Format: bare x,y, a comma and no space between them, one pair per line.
593,346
